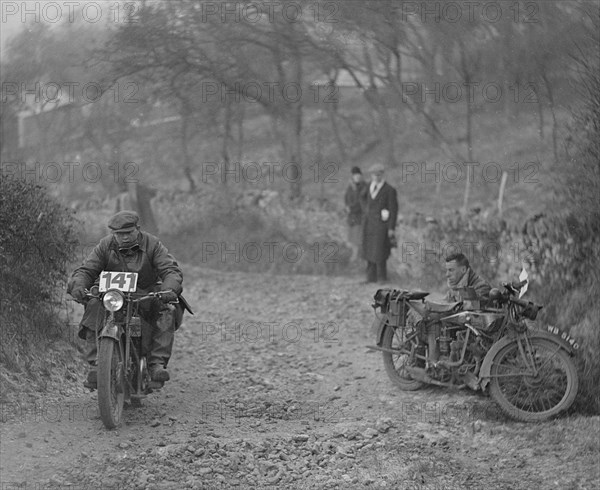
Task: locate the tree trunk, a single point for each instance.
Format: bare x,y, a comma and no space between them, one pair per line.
226,137
187,160
553,112
293,118
540,106
331,113
292,167
373,96
240,132
469,135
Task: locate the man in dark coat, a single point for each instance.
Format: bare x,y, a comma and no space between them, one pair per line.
129,249
379,224
355,201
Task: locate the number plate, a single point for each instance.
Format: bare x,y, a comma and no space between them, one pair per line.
123,281
564,336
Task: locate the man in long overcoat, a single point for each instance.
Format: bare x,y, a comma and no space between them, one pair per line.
379,224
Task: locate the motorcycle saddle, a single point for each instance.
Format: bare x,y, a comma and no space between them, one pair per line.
416,295
441,307
428,307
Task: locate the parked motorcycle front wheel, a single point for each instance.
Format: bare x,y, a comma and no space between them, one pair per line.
533,384
111,382
395,363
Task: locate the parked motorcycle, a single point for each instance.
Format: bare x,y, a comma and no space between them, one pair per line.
529,373
123,375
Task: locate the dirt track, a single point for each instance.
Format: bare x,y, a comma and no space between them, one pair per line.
272,386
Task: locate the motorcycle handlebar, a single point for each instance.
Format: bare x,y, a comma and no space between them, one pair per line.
156,295
519,285
151,295
515,285
520,302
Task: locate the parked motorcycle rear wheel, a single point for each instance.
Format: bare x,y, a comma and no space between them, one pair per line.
394,338
111,382
530,398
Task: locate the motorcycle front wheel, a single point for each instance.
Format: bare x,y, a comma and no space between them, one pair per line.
533,384
395,363
111,382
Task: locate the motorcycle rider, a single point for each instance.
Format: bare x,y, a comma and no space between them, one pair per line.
129,249
460,276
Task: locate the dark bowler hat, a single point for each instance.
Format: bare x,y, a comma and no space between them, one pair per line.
124,221
355,170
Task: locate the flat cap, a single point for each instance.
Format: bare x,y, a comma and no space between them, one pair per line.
124,221
376,167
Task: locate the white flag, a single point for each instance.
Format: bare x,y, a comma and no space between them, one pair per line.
524,277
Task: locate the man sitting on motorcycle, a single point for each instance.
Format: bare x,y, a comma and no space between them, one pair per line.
460,276
129,249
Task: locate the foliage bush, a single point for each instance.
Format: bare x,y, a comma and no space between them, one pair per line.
37,241
566,244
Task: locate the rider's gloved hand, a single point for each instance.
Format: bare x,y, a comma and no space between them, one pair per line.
168,296
78,293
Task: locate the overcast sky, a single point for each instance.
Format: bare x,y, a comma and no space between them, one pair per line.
17,14
10,25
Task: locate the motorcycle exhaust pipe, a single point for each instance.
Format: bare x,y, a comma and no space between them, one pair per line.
421,375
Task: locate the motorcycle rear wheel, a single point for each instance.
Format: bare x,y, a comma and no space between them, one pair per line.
530,398
111,382
395,338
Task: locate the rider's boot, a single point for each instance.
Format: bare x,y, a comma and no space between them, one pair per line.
92,378
163,334
159,373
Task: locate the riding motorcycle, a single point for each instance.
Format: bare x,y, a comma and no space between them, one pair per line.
123,375
529,373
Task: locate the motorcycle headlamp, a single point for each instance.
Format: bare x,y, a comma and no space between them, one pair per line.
531,310
113,300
